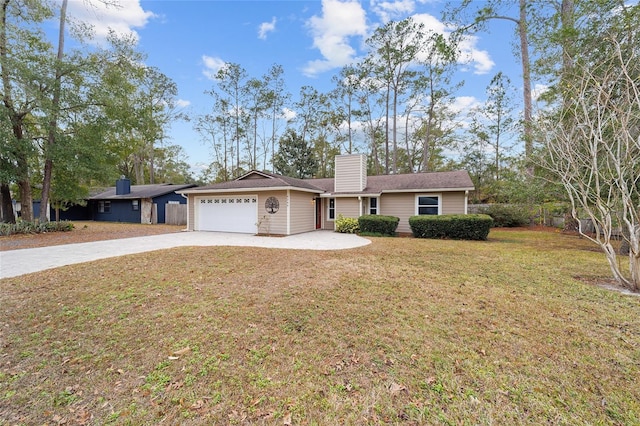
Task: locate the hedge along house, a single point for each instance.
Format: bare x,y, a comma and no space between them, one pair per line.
267,203
135,203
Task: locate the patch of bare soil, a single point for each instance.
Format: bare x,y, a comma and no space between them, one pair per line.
608,284
84,232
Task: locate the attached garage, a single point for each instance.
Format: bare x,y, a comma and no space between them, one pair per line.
265,203
227,213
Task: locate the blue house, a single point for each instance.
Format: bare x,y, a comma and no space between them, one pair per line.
135,203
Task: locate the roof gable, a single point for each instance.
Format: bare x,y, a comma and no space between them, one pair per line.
141,191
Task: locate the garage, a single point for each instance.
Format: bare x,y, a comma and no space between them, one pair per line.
227,213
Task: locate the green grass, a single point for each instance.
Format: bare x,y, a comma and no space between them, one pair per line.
403,331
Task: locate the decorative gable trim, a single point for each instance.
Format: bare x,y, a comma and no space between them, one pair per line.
254,174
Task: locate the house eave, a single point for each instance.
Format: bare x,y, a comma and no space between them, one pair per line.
244,190
349,194
392,191
427,190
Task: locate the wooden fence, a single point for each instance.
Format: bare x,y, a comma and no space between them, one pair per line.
175,214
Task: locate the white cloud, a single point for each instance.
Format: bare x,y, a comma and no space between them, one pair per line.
265,28
122,19
539,90
463,104
288,114
480,60
211,66
431,23
182,103
340,20
392,10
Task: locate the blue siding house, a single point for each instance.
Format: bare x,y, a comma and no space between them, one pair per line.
135,203
75,212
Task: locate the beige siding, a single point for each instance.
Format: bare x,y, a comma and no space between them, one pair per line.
399,205
348,207
404,206
302,210
275,224
351,173
453,203
191,212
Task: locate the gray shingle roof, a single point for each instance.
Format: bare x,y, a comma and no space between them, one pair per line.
454,181
257,179
140,191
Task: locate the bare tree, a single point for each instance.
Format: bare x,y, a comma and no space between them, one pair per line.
593,146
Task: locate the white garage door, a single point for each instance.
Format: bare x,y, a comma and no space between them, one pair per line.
227,214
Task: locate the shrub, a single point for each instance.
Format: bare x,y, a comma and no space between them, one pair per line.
454,226
346,225
378,224
24,227
508,215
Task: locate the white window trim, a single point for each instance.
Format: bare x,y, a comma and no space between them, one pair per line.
439,195
377,205
329,209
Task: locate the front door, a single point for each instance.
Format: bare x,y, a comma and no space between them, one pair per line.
318,213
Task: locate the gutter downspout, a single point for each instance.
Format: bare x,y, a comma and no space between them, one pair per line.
288,212
466,201
186,198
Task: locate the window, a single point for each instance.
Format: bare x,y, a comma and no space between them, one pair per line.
373,206
135,204
104,206
332,209
428,204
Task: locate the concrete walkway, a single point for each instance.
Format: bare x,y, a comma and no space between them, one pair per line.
24,261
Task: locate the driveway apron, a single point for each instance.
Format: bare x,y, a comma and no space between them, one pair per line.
24,261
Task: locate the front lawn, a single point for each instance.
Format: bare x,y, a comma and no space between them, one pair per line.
403,331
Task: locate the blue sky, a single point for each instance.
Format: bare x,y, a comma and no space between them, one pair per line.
188,40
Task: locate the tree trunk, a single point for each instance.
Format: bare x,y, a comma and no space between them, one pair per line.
8,216
16,118
53,123
26,200
526,87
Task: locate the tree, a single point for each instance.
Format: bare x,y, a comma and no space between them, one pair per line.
23,55
343,97
370,112
7,170
438,64
276,97
492,10
295,157
492,122
316,121
395,49
593,142
156,110
230,81
53,114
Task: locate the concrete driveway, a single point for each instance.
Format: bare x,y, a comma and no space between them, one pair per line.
19,262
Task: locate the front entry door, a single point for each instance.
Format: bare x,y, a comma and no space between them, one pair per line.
318,213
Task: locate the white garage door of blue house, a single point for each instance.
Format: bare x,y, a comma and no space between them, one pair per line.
227,214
